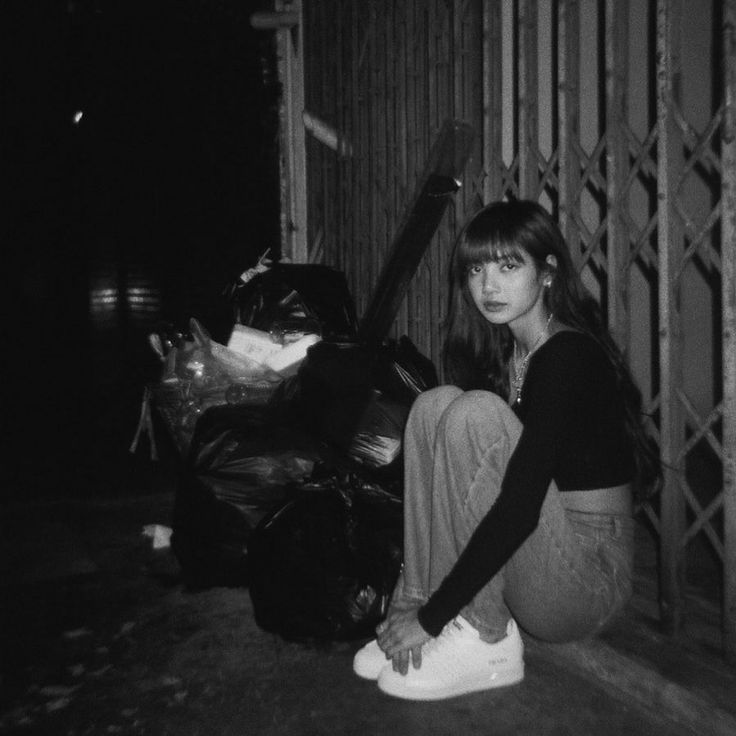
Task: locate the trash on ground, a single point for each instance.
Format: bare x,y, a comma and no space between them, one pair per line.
159,535
77,633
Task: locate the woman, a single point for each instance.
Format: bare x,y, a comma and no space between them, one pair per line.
518,479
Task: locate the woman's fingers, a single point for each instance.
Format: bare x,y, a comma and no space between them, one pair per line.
401,662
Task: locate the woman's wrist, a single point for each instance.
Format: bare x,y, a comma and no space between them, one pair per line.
425,624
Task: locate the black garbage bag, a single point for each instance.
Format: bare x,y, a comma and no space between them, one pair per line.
357,397
294,296
323,566
240,462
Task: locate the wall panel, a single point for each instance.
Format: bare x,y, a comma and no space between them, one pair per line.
620,124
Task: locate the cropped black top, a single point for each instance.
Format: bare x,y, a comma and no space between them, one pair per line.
573,433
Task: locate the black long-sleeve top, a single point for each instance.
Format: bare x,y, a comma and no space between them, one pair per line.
573,432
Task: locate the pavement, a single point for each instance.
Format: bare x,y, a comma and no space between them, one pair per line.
101,635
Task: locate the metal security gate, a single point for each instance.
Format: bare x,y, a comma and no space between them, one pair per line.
624,127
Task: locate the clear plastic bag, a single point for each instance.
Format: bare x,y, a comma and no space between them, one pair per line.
200,373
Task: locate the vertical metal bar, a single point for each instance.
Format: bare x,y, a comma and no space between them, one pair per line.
431,69
728,276
374,248
381,148
409,133
396,101
412,123
569,121
617,55
455,63
359,254
340,181
342,245
328,165
670,246
425,82
441,40
528,90
492,111
401,139
293,157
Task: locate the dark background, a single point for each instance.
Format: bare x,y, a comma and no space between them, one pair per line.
140,213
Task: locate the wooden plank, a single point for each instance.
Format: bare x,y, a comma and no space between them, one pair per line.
728,281
669,244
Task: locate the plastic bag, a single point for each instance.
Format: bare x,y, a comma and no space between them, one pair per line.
356,398
292,299
378,437
200,373
240,463
325,564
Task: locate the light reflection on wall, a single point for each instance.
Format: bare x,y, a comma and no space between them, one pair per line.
118,298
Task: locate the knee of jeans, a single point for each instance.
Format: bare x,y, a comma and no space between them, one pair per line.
434,401
473,407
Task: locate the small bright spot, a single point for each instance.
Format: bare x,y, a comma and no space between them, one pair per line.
77,117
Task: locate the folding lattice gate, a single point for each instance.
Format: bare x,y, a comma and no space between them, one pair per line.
619,122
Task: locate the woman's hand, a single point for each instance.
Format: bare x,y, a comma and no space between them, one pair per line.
401,638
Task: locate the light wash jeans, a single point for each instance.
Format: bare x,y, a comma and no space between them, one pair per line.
566,581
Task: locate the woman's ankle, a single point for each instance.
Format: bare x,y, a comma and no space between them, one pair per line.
489,634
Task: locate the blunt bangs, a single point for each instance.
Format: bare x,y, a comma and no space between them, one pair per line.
475,251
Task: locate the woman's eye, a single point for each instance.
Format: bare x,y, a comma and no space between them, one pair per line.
476,269
509,266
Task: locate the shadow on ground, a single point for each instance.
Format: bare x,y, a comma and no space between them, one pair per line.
100,636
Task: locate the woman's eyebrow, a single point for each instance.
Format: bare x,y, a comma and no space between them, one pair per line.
508,258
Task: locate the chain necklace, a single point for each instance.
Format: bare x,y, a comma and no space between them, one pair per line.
519,367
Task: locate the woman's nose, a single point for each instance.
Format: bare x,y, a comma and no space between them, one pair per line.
489,283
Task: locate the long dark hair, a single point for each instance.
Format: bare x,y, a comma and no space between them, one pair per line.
476,353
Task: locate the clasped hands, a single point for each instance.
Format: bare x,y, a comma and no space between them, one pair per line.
401,638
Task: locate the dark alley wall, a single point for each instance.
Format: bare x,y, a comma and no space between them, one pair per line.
139,150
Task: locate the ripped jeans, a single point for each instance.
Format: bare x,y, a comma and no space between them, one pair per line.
568,579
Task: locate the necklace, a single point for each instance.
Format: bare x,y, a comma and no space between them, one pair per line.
520,366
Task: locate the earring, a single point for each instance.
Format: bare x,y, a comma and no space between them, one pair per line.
548,281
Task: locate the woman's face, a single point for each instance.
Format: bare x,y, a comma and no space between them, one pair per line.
507,291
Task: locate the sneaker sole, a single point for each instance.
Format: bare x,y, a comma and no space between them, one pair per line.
463,687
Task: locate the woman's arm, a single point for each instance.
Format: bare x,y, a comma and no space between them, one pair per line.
554,396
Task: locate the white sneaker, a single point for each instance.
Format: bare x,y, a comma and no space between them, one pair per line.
369,661
459,662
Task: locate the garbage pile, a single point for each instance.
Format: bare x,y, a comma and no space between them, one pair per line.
279,311
291,437
292,432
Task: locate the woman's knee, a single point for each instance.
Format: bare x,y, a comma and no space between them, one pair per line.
433,402
482,408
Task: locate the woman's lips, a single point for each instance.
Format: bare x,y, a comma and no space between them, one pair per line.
490,306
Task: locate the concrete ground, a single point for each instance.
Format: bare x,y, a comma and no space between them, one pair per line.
100,636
